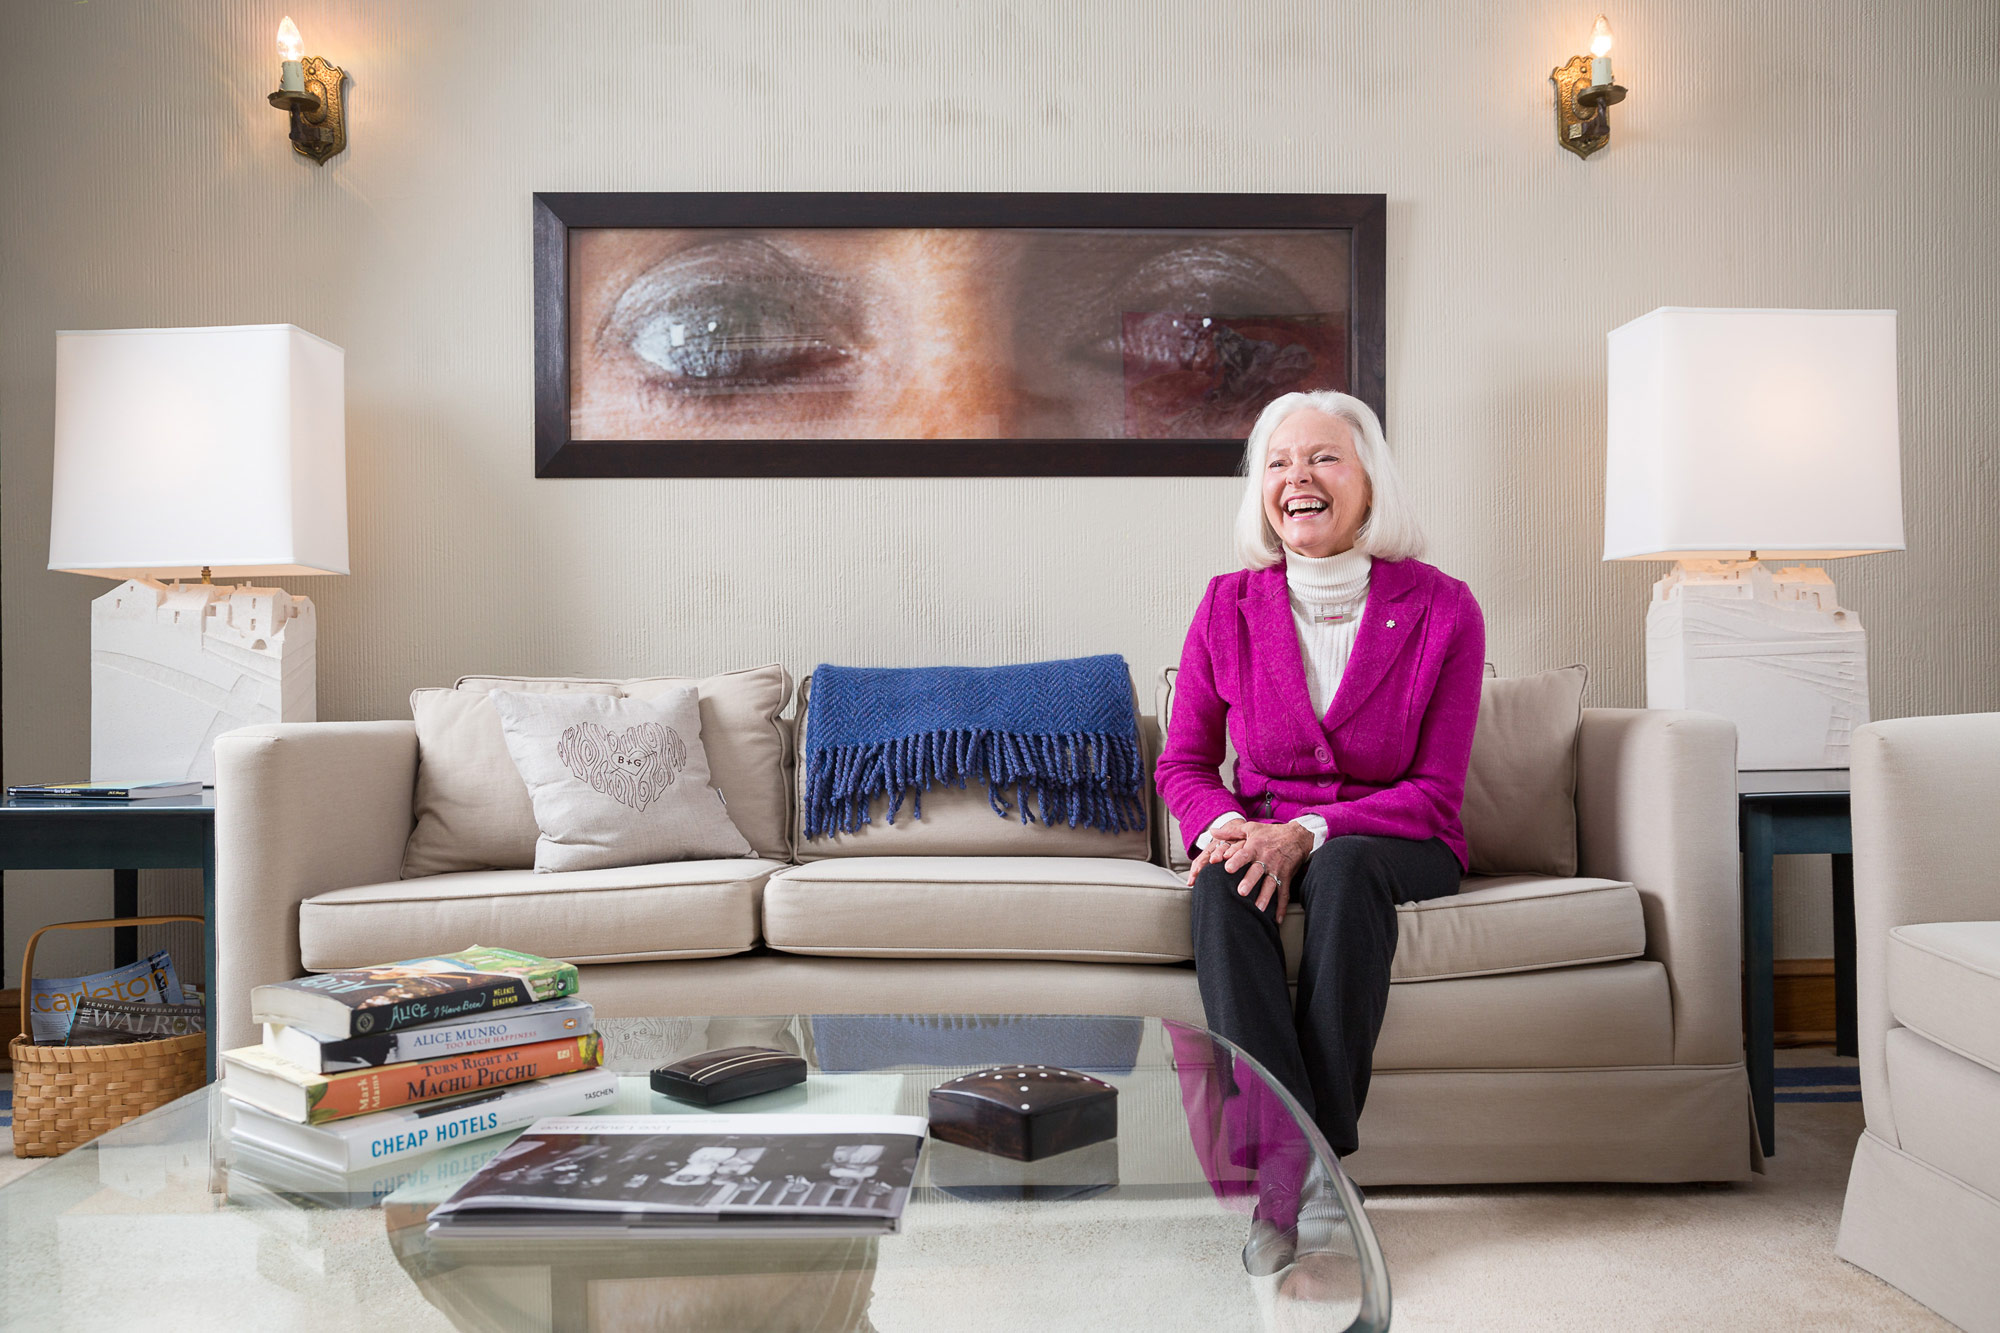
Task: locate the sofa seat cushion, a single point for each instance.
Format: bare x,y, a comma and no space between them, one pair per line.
1946,1108
1612,1015
1077,908
1944,982
684,909
1507,923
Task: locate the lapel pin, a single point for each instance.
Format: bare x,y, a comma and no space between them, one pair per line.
1392,624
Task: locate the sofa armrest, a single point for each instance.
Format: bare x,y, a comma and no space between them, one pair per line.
1925,841
1656,806
300,808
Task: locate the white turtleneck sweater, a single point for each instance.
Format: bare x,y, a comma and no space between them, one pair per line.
1328,594
1327,597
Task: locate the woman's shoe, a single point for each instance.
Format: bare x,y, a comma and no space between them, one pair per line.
1323,1224
1269,1250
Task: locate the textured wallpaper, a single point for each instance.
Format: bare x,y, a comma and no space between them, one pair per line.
1769,154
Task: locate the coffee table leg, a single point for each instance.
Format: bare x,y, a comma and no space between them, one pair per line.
1758,866
1844,1039
208,943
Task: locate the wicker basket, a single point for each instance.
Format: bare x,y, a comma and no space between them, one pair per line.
65,1096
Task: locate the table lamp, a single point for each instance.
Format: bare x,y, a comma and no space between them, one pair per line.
196,454
1734,437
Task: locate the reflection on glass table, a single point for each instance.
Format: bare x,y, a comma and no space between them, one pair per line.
1216,1207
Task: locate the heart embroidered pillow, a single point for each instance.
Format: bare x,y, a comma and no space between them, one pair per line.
616,781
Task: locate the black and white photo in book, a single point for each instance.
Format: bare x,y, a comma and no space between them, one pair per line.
818,1173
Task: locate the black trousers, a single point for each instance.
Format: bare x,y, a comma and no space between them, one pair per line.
1323,1047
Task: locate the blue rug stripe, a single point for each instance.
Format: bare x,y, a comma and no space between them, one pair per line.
1817,1097
1814,1076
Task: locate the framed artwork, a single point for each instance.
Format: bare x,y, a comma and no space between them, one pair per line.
867,335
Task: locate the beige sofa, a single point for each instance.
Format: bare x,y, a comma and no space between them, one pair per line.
1581,1026
1923,1198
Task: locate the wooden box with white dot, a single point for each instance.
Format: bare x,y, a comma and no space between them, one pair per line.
1026,1112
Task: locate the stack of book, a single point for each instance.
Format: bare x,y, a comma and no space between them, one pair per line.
363,1066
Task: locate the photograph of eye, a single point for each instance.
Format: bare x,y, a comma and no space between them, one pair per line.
846,349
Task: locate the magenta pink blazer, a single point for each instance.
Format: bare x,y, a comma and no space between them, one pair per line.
1390,755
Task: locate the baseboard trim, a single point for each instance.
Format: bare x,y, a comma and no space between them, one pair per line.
1802,1002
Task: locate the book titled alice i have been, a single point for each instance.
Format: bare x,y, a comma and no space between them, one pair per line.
346,1146
269,1081
624,1176
415,992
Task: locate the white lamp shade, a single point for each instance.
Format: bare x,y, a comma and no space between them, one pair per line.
1737,431
179,449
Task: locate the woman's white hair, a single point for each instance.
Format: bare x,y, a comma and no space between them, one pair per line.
1389,531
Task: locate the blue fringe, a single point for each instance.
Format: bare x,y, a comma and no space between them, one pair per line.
1082,779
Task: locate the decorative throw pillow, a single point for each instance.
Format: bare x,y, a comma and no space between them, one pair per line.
472,809
749,749
1520,793
616,781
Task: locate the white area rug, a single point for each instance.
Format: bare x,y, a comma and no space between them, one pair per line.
1740,1257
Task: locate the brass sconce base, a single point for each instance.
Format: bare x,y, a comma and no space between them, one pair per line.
319,121
1582,125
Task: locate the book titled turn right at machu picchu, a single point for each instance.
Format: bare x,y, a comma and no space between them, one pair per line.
416,991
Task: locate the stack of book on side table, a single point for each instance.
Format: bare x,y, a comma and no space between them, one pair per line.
364,1066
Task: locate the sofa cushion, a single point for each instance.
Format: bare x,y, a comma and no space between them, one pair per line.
1520,789
686,909
1174,842
1087,909
1610,1015
471,805
1507,923
957,822
749,748
1944,982
1946,1108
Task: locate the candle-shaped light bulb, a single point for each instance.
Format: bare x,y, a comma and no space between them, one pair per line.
1600,52
291,50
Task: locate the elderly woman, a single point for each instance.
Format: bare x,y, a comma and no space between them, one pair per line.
1347,672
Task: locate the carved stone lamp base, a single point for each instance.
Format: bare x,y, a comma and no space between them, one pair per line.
1772,651
173,666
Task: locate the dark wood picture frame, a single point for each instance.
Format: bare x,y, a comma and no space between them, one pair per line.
555,215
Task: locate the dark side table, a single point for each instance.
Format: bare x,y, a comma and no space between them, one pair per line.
1799,812
123,837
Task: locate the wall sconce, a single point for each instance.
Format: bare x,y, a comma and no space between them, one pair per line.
309,89
1585,95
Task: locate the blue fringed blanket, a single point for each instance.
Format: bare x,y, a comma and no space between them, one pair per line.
1062,736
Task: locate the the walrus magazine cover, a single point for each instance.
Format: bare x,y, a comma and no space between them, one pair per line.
680,1175
416,991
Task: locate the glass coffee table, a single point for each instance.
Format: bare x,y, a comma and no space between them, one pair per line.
167,1223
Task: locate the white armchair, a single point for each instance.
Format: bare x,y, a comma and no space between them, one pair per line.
1923,1200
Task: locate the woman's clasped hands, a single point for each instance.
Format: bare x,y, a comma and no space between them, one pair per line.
1269,855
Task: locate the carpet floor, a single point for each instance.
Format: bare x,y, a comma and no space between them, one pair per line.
1753,1256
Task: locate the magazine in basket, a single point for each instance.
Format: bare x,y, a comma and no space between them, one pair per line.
691,1175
